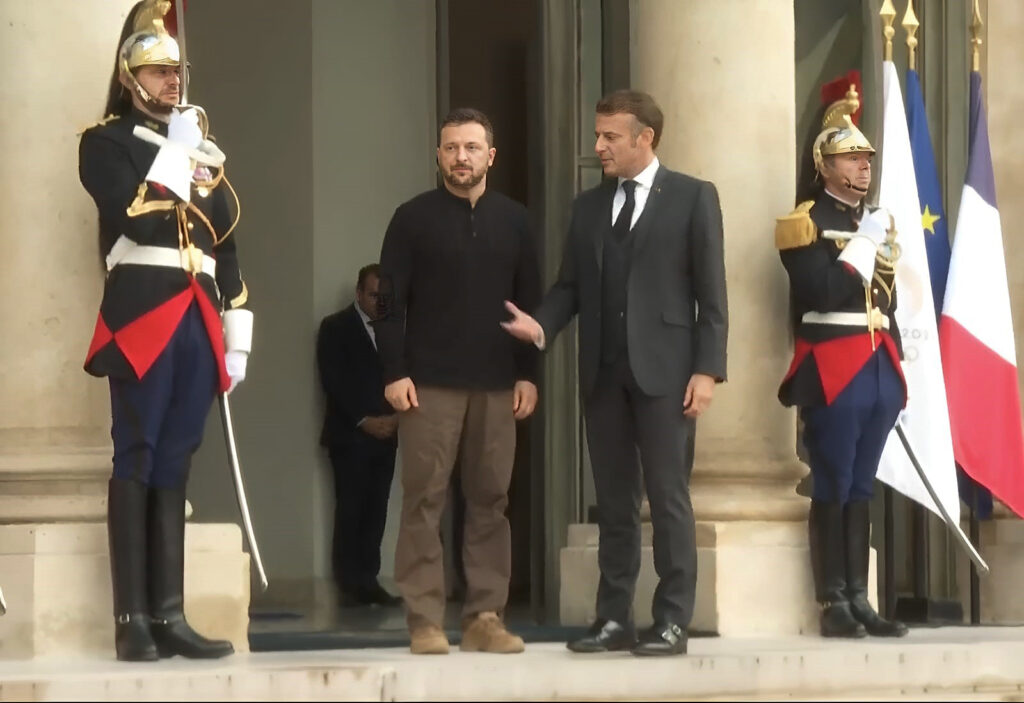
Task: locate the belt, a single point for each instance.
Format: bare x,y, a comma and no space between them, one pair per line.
192,260
847,319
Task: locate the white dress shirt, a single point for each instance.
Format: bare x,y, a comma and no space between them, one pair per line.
366,323
644,183
373,340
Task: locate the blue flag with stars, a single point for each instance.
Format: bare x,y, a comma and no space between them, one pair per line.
933,216
936,242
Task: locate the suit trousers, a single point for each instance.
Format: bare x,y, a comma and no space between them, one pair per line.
363,471
478,427
626,429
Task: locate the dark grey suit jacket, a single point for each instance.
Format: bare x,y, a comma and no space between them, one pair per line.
677,319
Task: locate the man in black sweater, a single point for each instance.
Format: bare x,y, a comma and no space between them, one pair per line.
359,433
451,256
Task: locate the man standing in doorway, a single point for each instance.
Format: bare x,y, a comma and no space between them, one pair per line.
359,433
644,269
451,257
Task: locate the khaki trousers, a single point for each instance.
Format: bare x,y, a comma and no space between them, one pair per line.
478,425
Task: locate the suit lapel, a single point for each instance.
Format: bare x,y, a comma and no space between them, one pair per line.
642,227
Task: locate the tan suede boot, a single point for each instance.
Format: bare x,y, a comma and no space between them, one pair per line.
485,632
428,639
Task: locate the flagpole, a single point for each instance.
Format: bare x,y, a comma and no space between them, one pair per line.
910,24
975,585
920,536
888,15
976,25
975,581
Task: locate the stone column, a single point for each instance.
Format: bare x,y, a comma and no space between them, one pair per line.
723,73
54,419
1001,539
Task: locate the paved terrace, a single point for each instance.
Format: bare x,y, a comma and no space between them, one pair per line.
930,664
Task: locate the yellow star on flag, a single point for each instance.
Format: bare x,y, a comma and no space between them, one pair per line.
928,220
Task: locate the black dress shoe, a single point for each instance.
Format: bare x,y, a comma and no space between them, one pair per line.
605,636
349,598
662,640
374,594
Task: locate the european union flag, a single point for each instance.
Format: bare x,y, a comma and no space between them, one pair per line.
936,240
933,216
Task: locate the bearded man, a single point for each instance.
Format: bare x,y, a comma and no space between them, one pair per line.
450,258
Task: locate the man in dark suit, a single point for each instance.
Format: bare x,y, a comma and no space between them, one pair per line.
644,269
359,433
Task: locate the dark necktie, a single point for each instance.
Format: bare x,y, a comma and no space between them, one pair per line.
621,227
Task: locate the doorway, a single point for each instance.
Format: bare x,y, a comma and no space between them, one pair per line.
486,60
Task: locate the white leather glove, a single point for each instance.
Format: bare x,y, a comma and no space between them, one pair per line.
172,166
237,343
184,128
235,361
864,244
874,226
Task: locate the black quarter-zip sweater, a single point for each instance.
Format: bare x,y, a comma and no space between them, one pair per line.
446,270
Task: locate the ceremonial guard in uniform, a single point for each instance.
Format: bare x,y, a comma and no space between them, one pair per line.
171,332
845,377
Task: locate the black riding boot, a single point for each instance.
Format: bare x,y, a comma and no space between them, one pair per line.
829,566
166,532
126,532
858,533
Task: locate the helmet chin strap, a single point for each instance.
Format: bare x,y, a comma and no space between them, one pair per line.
851,186
152,104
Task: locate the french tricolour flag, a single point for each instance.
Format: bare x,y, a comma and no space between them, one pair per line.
976,333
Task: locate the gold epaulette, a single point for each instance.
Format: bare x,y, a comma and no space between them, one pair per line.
109,118
796,229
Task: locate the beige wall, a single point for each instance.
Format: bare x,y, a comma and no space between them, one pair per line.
340,101
51,277
374,109
731,124
259,103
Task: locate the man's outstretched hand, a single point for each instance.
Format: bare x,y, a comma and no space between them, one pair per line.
522,326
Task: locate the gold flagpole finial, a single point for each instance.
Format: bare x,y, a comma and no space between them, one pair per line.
888,15
976,25
910,24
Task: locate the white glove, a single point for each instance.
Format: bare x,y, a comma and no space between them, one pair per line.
874,226
172,166
864,244
184,128
235,362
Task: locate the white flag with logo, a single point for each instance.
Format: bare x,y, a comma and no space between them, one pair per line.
926,419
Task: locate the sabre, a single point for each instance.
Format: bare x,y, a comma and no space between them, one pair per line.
225,409
958,533
179,12
236,475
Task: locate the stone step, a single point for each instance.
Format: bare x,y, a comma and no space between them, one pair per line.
926,663
56,579
753,578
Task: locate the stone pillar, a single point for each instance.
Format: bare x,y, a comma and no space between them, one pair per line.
1001,539
54,419
723,73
